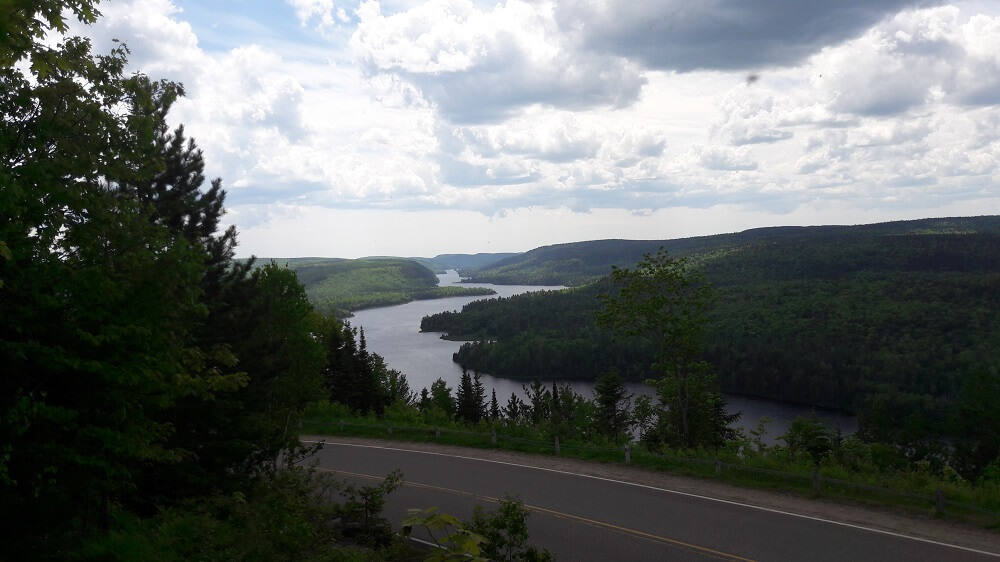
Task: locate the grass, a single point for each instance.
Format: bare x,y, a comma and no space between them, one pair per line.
913,492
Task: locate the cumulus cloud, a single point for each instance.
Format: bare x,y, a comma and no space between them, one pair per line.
494,109
480,66
720,34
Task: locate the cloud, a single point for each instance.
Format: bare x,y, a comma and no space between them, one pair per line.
730,35
484,66
721,158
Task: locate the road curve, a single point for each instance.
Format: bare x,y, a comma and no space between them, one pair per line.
584,517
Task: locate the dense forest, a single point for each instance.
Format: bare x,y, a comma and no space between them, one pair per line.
888,325
579,263
339,286
153,385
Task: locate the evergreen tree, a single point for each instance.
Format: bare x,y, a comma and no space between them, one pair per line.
516,411
442,398
468,405
480,397
495,412
612,416
539,402
425,403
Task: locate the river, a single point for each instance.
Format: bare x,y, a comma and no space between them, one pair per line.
394,333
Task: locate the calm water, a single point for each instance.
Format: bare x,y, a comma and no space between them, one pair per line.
394,333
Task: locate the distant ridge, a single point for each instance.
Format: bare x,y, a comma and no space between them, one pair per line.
577,263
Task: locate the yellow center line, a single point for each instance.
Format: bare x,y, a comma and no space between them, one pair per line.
554,513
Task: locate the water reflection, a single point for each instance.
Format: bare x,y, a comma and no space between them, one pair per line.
394,333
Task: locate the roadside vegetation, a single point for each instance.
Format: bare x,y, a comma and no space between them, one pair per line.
154,387
152,384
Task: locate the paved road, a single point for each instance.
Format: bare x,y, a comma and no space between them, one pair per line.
586,518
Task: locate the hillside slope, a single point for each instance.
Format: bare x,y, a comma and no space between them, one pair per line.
578,263
338,286
889,317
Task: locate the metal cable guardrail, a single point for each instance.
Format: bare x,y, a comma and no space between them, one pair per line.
497,439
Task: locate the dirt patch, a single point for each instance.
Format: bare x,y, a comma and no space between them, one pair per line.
880,518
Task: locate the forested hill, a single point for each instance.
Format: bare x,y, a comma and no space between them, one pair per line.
463,262
339,286
578,263
887,319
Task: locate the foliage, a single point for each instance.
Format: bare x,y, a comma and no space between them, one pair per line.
580,263
506,532
145,369
470,404
457,543
339,285
363,508
882,472
886,321
237,526
811,436
973,422
612,416
499,535
664,300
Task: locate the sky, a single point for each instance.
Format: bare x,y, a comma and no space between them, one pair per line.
415,128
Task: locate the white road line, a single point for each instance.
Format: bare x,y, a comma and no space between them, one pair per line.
648,487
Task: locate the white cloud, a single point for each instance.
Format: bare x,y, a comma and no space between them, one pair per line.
512,119
476,65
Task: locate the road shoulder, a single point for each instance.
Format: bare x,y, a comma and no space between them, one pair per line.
885,519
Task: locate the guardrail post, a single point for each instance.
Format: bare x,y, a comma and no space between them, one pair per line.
557,444
628,454
718,467
493,436
816,480
437,433
390,428
341,426
938,503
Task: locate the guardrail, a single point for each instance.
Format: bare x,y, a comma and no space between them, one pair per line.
630,454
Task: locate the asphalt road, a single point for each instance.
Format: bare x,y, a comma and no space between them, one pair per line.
581,517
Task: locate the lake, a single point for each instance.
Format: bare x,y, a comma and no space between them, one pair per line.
394,333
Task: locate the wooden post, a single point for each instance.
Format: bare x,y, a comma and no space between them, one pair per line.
816,480
493,436
938,503
718,467
557,444
628,454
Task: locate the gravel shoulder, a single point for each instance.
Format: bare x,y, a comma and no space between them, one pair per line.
880,518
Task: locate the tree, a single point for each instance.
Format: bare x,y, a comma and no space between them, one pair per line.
495,412
505,531
441,397
516,410
471,399
539,406
974,421
664,300
612,416
809,435
100,304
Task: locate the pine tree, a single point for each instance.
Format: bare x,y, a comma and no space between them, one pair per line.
612,417
480,397
495,413
467,400
516,410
